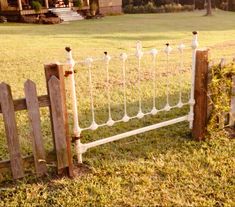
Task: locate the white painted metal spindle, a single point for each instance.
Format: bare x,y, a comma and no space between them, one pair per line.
181,50
192,99
139,55
76,127
107,59
154,53
94,125
123,57
168,50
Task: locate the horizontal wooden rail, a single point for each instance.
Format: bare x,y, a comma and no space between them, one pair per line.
28,161
20,104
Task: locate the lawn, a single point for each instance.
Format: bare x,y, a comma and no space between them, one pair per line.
164,167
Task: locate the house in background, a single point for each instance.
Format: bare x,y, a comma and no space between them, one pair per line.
17,8
110,6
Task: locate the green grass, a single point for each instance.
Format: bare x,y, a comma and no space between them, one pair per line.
159,168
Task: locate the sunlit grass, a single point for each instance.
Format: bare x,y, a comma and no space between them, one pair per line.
163,167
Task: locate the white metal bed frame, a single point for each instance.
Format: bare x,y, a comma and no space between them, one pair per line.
77,130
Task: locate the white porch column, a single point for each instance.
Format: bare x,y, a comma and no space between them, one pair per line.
46,4
19,5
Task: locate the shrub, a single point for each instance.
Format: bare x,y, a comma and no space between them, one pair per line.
188,8
66,2
160,9
163,2
150,8
141,9
128,9
173,7
127,2
220,96
77,3
36,6
3,19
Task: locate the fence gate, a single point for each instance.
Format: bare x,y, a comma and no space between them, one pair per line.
158,78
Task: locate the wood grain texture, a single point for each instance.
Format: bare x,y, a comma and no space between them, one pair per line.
35,125
28,161
58,71
201,90
11,130
20,104
232,111
58,123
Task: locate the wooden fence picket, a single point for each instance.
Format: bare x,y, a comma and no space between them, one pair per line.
35,124
58,123
8,112
57,71
232,111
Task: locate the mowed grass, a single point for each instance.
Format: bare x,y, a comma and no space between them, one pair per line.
164,167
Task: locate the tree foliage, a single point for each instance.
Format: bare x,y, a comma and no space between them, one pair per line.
220,89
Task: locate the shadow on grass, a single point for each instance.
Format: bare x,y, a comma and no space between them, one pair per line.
143,146
140,146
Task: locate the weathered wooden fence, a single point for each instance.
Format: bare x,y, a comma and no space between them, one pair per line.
56,101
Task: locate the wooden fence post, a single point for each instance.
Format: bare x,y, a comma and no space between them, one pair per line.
35,123
57,71
8,111
201,92
232,111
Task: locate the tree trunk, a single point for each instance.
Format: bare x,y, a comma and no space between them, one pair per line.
194,4
209,9
230,5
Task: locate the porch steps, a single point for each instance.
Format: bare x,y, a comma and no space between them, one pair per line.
66,14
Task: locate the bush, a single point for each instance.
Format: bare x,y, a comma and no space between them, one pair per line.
66,2
151,8
173,7
160,9
128,9
188,8
126,3
36,6
77,3
3,19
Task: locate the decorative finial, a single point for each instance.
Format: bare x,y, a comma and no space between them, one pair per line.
68,49
195,40
168,49
107,58
70,59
